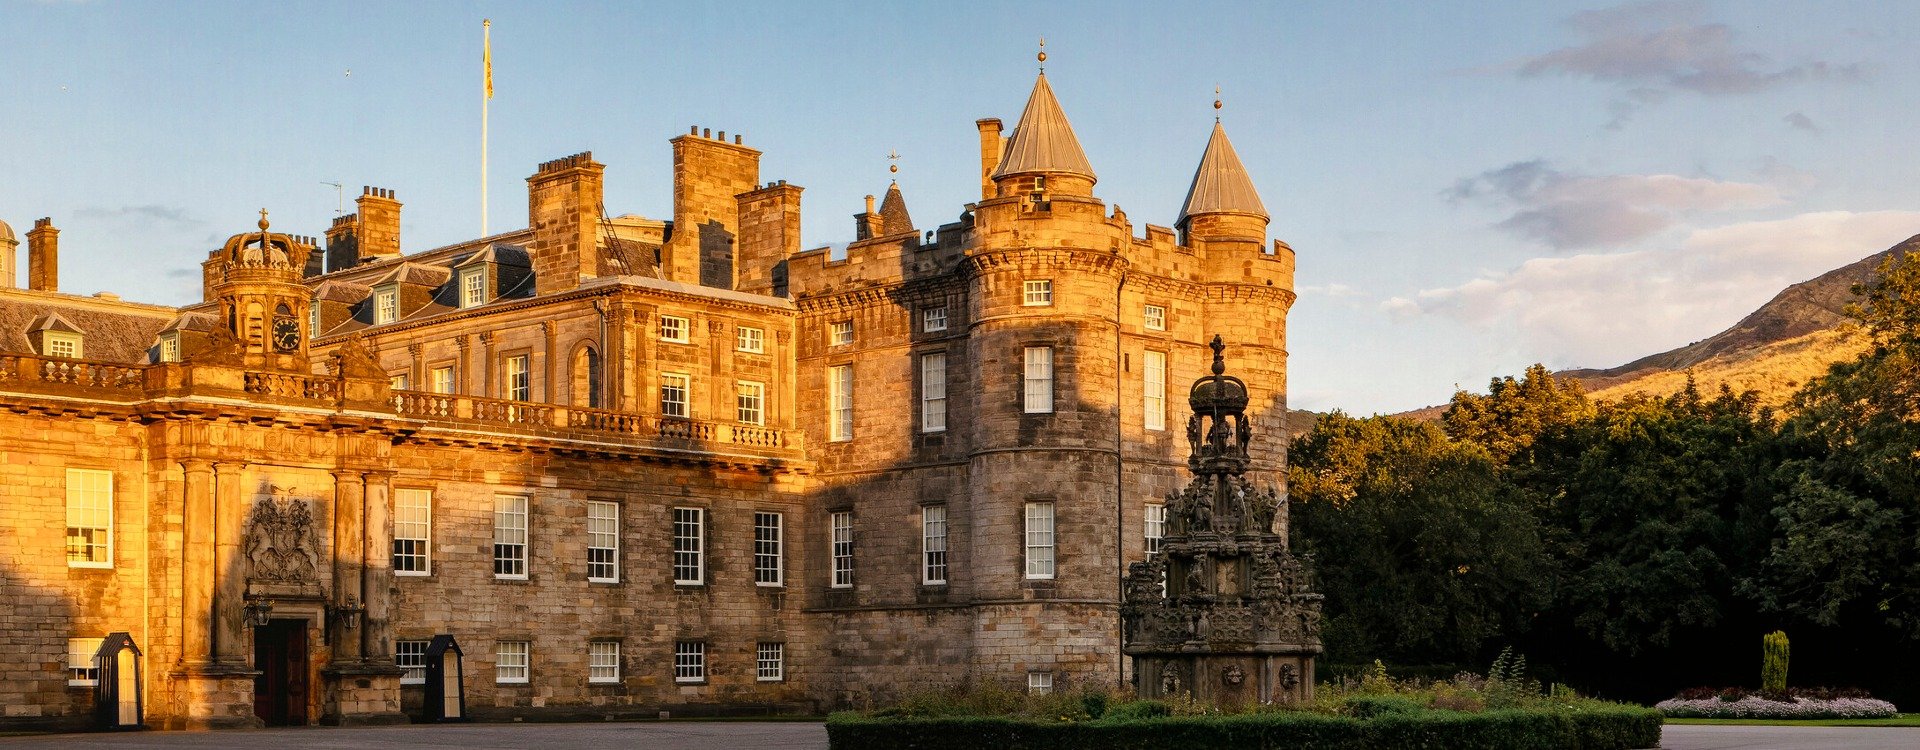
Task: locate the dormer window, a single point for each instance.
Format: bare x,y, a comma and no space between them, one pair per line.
61,344
473,287
170,348
386,305
313,318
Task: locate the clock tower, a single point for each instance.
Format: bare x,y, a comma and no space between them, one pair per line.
262,303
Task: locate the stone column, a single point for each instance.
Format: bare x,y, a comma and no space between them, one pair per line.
464,375
376,570
196,565
230,581
349,501
552,333
486,367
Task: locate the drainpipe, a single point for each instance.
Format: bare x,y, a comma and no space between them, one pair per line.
1119,483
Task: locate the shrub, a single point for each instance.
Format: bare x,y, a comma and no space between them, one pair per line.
1370,706
1773,663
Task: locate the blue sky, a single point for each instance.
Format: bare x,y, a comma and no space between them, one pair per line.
1469,187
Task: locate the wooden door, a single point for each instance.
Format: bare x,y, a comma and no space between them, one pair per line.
280,655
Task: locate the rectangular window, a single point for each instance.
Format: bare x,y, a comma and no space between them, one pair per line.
386,306
510,662
400,382
689,661
840,403
1039,683
673,394
768,550
675,329
411,658
313,318
933,543
1039,540
1155,318
443,379
170,348
1156,528
63,345
689,546
840,332
770,661
89,518
412,532
603,662
842,551
1039,380
510,536
519,383
81,669
752,398
1153,382
603,541
1037,293
933,392
753,340
933,319
473,286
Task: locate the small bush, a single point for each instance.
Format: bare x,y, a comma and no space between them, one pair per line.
1370,706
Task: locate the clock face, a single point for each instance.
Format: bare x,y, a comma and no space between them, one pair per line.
286,334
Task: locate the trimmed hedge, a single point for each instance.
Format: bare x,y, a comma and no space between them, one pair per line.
1613,728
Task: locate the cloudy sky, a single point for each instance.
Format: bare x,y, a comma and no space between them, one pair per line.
1470,187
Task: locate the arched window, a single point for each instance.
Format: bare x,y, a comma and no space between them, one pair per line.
586,377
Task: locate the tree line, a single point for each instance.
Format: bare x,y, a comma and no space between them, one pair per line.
1635,547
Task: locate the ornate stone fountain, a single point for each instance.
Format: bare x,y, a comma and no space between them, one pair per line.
1224,613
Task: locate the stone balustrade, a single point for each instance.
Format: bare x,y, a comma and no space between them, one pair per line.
28,370
689,432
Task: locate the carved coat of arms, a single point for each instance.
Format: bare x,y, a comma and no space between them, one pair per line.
280,540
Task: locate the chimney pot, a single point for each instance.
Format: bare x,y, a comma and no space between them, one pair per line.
706,132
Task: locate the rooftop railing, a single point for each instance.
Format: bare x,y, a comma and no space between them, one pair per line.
562,417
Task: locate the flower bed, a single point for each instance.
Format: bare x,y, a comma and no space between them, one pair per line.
1734,703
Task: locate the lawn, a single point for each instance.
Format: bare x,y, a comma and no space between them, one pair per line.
1903,720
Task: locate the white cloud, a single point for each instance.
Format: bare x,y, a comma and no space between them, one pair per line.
1569,211
1599,310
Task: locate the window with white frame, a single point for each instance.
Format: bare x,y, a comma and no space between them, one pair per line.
313,318
840,403
1037,293
675,329
519,379
1156,528
603,541
1154,318
752,402
673,394
400,382
603,662
170,347
840,332
1038,376
751,340
89,518
689,546
1153,386
689,661
411,658
82,671
61,344
933,544
442,379
933,319
770,661
1040,540
510,662
933,392
473,286
510,536
1039,683
386,306
412,531
841,524
769,551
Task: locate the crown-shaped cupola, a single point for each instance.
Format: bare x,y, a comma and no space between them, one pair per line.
263,306
1221,203
1043,153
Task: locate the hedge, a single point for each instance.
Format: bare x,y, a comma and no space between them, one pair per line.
1613,728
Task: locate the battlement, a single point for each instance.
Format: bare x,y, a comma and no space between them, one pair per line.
572,161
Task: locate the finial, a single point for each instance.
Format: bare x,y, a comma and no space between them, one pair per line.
893,156
263,220
1219,362
485,23
1043,55
1216,104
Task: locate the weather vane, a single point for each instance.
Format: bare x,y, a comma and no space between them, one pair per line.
1043,55
1216,104
893,156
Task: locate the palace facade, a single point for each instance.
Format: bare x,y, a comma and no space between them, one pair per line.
631,466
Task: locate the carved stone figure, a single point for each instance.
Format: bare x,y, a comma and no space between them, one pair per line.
1233,675
280,541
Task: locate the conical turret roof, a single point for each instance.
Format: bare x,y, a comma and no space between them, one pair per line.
1221,184
1043,141
893,213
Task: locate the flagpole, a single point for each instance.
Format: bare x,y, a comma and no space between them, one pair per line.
486,97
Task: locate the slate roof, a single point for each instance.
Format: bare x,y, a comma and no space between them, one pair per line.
1044,140
1221,184
893,213
113,331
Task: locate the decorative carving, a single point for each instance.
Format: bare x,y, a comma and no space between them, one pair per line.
1233,675
280,541
1170,682
355,360
1289,677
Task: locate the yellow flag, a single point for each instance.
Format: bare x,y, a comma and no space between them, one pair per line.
486,54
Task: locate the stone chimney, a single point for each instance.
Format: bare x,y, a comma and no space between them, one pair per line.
43,256
563,207
343,242
866,224
379,235
9,255
991,144
769,234
709,174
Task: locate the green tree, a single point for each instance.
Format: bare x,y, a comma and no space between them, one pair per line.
1513,413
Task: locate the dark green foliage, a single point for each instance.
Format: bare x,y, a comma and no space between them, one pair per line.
1610,728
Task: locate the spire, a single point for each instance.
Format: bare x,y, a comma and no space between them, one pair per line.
1043,141
893,213
1221,184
